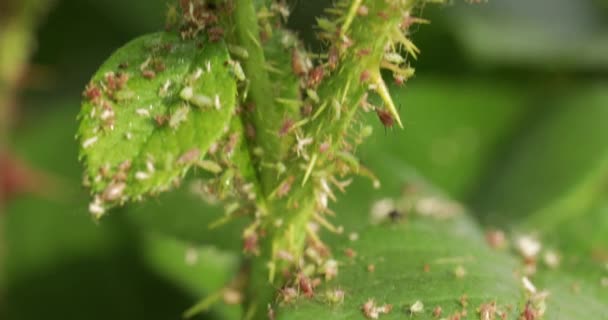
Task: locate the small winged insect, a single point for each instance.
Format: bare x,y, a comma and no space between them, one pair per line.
386,118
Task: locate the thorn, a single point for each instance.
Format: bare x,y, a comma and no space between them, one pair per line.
309,169
386,97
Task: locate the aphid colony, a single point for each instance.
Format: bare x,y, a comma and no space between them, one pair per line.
321,127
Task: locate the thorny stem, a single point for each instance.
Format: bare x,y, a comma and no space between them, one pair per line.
267,115
340,96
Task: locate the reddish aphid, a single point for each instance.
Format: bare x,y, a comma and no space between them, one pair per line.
324,147
363,52
250,243
215,34
383,15
286,127
148,74
386,118
315,76
285,187
250,131
365,75
92,92
189,156
306,286
363,11
306,110
437,312
121,79
529,313
399,80
161,120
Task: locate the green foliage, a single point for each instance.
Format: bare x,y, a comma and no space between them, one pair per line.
151,112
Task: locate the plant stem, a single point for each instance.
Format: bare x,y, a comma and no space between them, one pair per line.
267,116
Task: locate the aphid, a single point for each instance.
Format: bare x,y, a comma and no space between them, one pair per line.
286,127
437,312
237,70
143,112
426,268
460,272
92,92
189,156
232,141
89,142
271,314
250,131
216,102
487,311
180,115
208,66
371,267
551,259
158,65
288,294
161,120
186,93
528,246
123,65
306,110
383,15
215,34
324,147
385,117
201,101
164,89
417,307
496,239
196,75
305,286
250,243
363,11
330,268
371,311
365,75
399,79
315,76
393,57
113,191
239,52
285,187
110,78
349,252
141,175
96,207
335,296
210,166
529,313
363,52
353,236
148,74
464,300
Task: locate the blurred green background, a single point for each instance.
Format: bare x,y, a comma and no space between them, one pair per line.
508,113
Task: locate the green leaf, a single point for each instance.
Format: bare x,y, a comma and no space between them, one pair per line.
400,252
151,112
453,130
558,169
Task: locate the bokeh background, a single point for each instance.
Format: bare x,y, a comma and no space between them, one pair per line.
505,90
